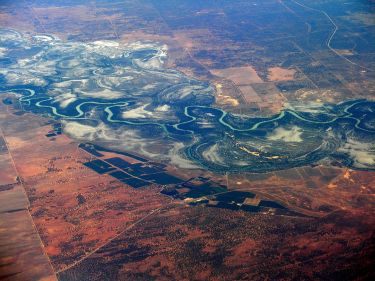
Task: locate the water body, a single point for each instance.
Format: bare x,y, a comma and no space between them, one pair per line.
124,96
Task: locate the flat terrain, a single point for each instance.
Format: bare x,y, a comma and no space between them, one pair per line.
17,228
89,221
187,140
75,209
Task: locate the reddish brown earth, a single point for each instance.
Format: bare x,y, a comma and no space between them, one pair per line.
22,256
136,234
53,176
115,234
280,74
206,244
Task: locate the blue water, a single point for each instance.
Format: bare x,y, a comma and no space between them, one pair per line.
212,138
